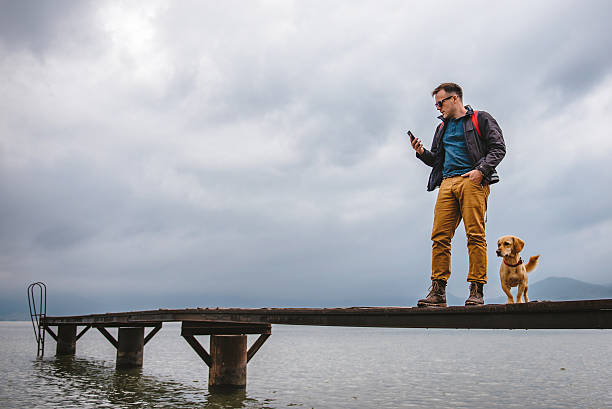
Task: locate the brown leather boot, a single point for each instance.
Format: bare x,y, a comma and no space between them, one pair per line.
476,294
436,297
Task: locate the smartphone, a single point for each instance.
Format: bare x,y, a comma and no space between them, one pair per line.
411,136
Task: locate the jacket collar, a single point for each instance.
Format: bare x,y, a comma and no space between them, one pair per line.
469,113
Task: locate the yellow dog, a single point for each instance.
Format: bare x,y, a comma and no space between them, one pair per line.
513,272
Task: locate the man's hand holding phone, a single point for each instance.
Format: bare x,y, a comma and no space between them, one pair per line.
416,143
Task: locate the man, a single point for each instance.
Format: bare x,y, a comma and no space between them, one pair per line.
463,165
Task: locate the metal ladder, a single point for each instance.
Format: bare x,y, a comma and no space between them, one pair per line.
38,311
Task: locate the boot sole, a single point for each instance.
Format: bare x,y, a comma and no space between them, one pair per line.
422,305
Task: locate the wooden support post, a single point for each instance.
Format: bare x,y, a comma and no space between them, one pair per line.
130,347
83,332
199,349
66,339
229,361
256,345
108,336
50,332
228,357
152,333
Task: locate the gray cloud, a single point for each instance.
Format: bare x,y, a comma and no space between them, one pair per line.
39,26
257,154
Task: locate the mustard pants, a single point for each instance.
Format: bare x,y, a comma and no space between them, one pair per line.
459,198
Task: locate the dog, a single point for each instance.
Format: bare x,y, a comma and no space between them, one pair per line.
512,271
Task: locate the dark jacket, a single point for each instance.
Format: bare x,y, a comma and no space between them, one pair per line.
486,150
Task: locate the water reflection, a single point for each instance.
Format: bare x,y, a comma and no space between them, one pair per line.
219,398
82,382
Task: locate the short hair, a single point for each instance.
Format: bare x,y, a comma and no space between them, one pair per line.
450,88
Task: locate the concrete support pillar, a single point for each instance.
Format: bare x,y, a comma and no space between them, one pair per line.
130,347
229,361
66,339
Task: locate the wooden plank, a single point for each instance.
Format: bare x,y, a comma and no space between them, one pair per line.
223,328
552,315
199,349
133,324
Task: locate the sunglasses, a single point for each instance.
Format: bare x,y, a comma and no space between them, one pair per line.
440,102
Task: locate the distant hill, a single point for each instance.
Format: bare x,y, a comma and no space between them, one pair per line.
561,289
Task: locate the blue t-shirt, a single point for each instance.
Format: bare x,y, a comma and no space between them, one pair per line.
457,159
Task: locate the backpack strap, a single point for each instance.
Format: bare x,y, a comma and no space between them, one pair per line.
475,122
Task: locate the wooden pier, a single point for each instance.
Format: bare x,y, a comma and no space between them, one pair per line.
228,327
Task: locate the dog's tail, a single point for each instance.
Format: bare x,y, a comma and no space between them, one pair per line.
533,263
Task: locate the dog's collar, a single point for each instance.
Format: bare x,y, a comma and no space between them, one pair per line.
514,265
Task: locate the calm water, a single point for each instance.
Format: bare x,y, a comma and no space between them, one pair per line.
318,367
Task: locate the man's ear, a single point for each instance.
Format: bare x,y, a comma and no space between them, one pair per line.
517,245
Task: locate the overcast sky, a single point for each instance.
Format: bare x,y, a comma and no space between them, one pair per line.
254,152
